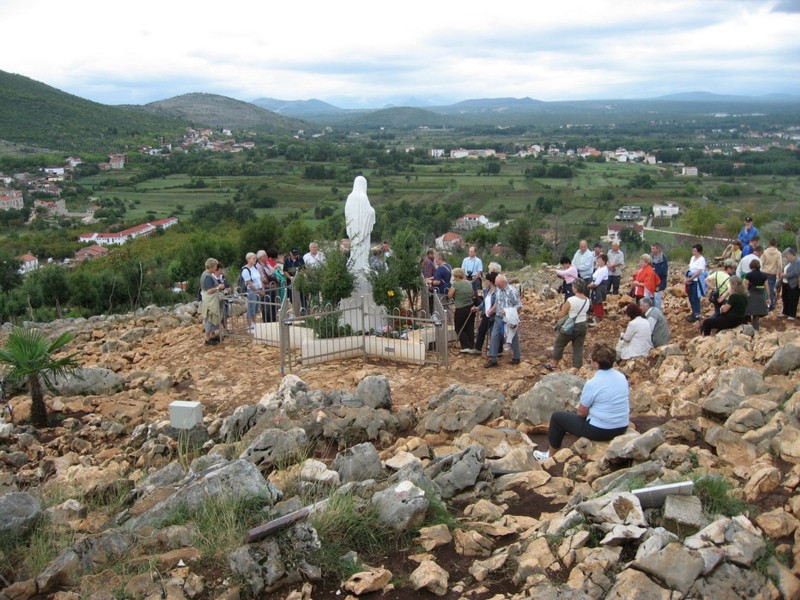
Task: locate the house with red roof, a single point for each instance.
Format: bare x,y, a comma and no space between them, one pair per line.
29,263
90,252
449,241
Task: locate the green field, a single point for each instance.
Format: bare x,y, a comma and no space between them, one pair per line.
589,199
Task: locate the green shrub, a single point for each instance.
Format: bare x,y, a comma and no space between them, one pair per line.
349,523
714,492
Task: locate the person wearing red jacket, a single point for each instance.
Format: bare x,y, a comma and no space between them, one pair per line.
645,279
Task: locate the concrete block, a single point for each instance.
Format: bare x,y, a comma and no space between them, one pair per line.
683,515
184,414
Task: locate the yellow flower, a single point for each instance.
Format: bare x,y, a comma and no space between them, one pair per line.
390,293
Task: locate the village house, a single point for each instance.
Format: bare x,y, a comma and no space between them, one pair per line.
471,221
126,235
117,161
449,241
629,213
90,252
54,170
53,207
670,209
688,171
436,152
479,153
29,263
11,199
74,161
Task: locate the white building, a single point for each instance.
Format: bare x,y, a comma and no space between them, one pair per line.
29,263
670,209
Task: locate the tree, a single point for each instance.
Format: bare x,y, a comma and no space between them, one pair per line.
483,238
518,234
29,354
9,271
701,221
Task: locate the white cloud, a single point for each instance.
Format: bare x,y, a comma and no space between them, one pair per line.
246,49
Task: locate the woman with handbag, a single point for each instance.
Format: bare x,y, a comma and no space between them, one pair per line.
571,326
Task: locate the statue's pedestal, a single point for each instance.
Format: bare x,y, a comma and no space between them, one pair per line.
374,316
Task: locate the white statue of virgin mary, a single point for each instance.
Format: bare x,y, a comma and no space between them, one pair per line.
360,219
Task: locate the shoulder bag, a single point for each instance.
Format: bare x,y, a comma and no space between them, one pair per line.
568,323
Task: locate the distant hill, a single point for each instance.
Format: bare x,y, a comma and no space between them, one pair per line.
496,104
711,97
297,108
221,112
36,114
395,118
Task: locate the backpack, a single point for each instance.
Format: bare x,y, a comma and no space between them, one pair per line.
241,284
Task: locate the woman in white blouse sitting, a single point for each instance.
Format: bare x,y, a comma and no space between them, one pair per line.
637,340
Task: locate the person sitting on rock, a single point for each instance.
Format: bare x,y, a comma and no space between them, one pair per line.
636,340
732,313
604,409
659,328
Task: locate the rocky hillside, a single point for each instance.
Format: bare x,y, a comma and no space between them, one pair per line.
395,481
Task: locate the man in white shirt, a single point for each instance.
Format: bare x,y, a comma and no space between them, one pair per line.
314,257
583,261
744,265
616,263
473,267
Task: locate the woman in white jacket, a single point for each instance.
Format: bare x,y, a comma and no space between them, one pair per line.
636,341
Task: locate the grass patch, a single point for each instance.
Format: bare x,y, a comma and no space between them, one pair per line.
349,523
715,494
221,522
438,514
26,556
762,565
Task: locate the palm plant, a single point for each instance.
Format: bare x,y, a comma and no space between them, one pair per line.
29,354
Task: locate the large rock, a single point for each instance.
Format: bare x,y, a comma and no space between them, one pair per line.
235,479
635,446
401,506
88,381
635,585
554,392
291,397
785,360
263,566
615,508
675,565
730,581
430,576
240,422
276,448
457,472
733,387
459,409
787,444
358,463
374,391
19,513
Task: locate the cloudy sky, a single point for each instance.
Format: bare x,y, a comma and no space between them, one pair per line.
356,53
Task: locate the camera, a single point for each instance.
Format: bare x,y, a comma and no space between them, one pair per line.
470,275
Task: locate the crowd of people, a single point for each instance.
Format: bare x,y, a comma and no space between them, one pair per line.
747,286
